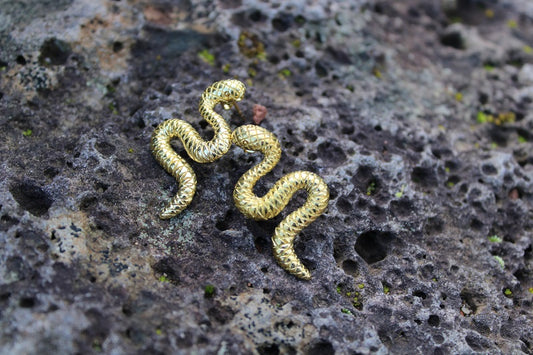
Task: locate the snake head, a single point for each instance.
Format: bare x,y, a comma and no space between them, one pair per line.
227,92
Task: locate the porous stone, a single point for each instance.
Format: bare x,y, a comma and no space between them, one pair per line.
416,113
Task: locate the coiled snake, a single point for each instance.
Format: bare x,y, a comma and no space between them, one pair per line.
256,138
250,138
225,92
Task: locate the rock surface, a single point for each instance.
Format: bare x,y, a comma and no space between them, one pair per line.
418,114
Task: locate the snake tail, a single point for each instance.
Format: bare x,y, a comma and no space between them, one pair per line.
174,165
225,92
255,138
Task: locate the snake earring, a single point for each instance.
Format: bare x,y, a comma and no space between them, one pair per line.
225,92
255,138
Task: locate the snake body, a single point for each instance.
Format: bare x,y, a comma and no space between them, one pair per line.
255,138
225,92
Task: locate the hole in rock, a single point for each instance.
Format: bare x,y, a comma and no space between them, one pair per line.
256,16
344,205
433,225
54,52
477,342
27,302
349,267
434,320
373,246
167,266
105,148
402,207
470,299
117,46
268,349
7,221
321,70
420,294
21,60
331,153
261,244
282,22
489,169
322,347
225,223
31,198
453,39
424,176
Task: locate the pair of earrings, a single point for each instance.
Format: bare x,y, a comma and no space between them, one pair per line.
249,138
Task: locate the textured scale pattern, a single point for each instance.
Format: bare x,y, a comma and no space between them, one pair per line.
255,138
225,92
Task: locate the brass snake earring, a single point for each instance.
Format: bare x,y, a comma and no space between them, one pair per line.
225,92
255,138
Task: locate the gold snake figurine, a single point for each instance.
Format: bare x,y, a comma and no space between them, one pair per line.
225,92
255,138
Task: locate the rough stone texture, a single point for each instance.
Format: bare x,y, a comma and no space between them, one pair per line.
389,101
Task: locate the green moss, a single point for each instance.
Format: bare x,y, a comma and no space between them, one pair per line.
97,346
338,289
527,49
130,150
3,68
250,45
262,56
399,194
495,239
450,184
296,43
386,289
163,278
209,291
512,24
522,139
27,133
299,19
285,73
112,108
252,72
499,260
356,302
482,117
508,292
350,87
488,67
226,68
371,188
207,57
455,19
504,117
458,97
530,290
158,331
346,311
361,286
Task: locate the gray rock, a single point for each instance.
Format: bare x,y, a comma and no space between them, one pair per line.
426,148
